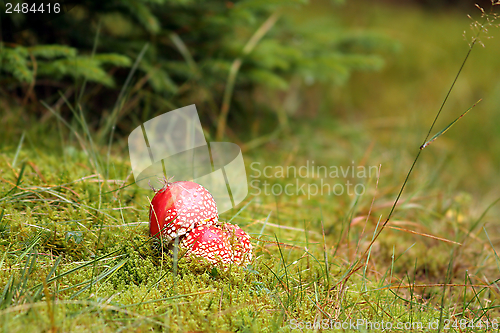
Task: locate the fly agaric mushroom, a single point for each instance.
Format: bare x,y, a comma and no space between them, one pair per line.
240,244
209,242
178,207
219,245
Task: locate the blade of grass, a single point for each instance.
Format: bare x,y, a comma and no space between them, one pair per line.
69,126
94,48
325,252
263,227
110,125
444,130
70,271
107,273
359,263
443,296
181,46
19,145
493,248
235,67
241,210
79,116
32,244
284,266
38,295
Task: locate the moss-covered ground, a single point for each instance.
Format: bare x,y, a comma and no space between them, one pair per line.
75,253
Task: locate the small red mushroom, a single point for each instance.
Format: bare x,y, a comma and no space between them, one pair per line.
209,242
178,207
240,244
219,245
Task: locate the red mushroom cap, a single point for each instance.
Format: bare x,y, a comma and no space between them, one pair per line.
180,206
240,244
209,242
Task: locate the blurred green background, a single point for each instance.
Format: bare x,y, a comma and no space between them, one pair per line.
291,82
366,75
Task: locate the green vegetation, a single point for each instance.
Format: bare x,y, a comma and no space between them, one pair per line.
75,250
186,52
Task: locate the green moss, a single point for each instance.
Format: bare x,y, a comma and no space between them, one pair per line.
111,276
